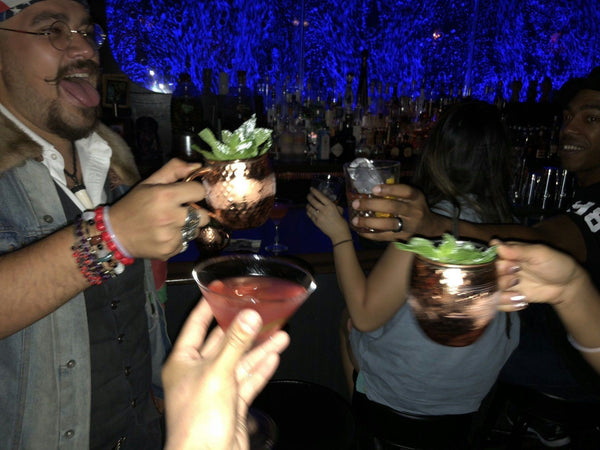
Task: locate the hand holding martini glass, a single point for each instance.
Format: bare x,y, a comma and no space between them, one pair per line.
272,286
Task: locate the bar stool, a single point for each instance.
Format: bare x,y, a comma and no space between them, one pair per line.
580,420
381,427
307,416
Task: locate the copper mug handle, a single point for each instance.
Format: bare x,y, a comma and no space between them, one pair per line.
218,230
192,176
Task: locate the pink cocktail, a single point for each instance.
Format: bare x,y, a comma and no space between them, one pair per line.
279,211
274,287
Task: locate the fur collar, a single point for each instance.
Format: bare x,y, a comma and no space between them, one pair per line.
16,147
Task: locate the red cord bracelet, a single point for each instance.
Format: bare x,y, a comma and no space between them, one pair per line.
109,238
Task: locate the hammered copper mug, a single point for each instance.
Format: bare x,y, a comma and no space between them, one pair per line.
453,303
239,193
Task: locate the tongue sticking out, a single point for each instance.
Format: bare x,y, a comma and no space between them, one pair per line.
81,90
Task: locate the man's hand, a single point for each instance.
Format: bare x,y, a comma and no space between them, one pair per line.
148,220
403,202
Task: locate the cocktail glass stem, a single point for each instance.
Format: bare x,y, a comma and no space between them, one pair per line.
276,247
276,233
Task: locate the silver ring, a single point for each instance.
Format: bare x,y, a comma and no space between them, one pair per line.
184,246
192,219
400,225
188,235
189,231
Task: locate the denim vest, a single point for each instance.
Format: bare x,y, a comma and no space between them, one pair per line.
45,392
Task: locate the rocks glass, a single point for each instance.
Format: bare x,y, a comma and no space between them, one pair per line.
362,175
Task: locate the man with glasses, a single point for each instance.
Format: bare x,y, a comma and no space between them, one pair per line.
82,335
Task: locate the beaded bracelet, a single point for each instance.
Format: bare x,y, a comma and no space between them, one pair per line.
580,347
99,247
94,265
108,236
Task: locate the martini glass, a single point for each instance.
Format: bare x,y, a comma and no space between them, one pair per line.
273,287
279,211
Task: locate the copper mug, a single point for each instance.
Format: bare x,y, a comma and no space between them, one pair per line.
239,193
453,303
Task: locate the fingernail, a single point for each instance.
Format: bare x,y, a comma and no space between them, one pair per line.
377,189
521,305
279,337
355,204
355,221
517,299
513,283
514,269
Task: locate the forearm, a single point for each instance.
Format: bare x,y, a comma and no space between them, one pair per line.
580,313
485,233
351,278
551,231
372,301
38,279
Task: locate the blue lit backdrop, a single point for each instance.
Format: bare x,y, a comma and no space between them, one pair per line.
440,45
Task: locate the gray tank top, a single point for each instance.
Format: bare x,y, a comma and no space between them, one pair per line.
402,368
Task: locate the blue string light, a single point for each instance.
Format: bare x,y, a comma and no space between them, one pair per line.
431,44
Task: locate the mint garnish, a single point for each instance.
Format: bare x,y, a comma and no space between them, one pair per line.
448,251
244,143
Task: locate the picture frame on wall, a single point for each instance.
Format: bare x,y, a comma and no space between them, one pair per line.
115,91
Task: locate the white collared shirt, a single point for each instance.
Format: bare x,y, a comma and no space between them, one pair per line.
94,154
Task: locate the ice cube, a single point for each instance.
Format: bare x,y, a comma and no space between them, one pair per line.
364,175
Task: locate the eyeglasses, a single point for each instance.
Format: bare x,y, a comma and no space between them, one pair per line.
61,35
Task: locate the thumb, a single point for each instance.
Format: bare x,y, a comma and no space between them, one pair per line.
240,337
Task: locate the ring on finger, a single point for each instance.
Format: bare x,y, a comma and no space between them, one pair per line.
399,226
190,228
192,219
184,246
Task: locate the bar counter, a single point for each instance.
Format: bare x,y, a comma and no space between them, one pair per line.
304,240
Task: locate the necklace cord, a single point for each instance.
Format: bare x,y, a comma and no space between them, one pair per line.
74,176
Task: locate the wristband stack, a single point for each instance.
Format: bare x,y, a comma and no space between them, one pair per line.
99,255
